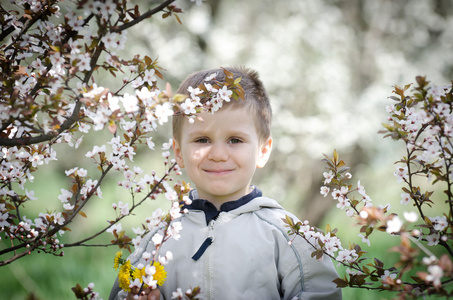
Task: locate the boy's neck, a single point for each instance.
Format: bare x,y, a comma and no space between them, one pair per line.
219,201
211,212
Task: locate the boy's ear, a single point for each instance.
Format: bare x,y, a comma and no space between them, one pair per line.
265,152
178,154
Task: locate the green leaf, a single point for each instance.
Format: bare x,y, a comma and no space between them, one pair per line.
328,229
340,283
148,60
335,156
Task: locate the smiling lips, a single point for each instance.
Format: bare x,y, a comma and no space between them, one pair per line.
219,172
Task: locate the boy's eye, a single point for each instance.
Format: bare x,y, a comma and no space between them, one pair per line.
202,140
235,141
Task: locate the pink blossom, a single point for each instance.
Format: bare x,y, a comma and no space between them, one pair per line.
194,91
82,172
365,239
157,239
175,210
166,258
136,283
336,194
130,103
346,255
174,230
107,8
394,225
328,176
146,95
150,143
30,195
386,275
68,206
84,63
189,106
3,219
124,208
325,190
361,189
410,216
36,159
146,256
433,239
439,223
138,82
343,202
435,275
171,195
211,77
75,22
401,174
349,212
225,94
344,190
149,76
163,112
210,88
115,228
405,198
59,219
136,241
65,196
96,150
109,40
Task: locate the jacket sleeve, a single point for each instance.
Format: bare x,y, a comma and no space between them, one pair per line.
304,277
115,292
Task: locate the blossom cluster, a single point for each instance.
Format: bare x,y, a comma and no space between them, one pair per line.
51,57
423,121
210,95
151,274
86,293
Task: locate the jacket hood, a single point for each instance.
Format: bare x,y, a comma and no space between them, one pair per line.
246,204
256,204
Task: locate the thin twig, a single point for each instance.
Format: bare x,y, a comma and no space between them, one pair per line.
146,15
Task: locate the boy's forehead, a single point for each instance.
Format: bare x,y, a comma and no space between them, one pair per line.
205,120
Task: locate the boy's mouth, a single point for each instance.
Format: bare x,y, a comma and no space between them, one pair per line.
218,172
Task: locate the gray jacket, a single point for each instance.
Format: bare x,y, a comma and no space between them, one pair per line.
249,257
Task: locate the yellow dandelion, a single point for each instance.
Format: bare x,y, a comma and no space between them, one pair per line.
117,259
138,273
124,276
160,274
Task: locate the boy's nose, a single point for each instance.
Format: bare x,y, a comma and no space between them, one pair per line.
218,152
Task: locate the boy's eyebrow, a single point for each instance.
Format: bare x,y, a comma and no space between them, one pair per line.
228,132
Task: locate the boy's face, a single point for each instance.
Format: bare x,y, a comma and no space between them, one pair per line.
220,153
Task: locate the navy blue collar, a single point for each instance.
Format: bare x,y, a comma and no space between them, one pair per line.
211,212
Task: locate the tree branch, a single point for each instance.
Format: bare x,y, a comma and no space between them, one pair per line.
146,15
45,137
66,124
80,243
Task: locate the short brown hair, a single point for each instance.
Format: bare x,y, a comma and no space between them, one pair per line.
256,97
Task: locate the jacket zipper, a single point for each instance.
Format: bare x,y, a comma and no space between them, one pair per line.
206,243
208,263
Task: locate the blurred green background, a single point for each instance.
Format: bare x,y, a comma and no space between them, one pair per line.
329,67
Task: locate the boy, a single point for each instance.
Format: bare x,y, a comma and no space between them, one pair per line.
233,244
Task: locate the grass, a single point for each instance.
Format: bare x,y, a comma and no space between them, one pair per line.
49,277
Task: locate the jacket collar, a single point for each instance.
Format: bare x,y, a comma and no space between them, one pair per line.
211,212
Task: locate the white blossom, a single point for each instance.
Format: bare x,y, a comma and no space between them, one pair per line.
394,225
